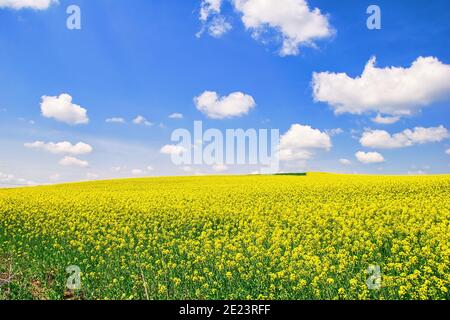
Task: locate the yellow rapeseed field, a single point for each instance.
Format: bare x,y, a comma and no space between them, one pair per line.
233,237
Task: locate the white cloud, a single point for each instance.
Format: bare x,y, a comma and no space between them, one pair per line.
211,19
62,109
298,24
293,155
61,147
187,169
30,122
385,120
334,132
345,162
73,162
176,116
393,91
299,141
447,152
417,173
218,27
92,176
305,137
55,177
142,120
422,135
173,149
380,139
27,4
115,120
234,105
208,8
295,22
220,168
369,157
10,180
137,172
150,169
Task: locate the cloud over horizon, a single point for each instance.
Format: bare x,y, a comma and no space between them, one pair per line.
369,157
380,139
73,162
61,147
299,142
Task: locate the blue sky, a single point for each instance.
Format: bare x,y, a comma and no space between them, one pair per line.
140,57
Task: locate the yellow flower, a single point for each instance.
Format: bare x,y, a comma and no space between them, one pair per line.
162,289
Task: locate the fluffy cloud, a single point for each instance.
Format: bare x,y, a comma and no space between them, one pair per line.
334,132
391,91
448,152
10,180
27,4
218,27
209,8
369,157
380,139
187,169
140,120
92,176
176,116
115,120
62,109
55,177
345,162
211,19
73,162
137,172
61,147
299,141
298,24
234,105
172,149
385,120
220,168
417,173
140,172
